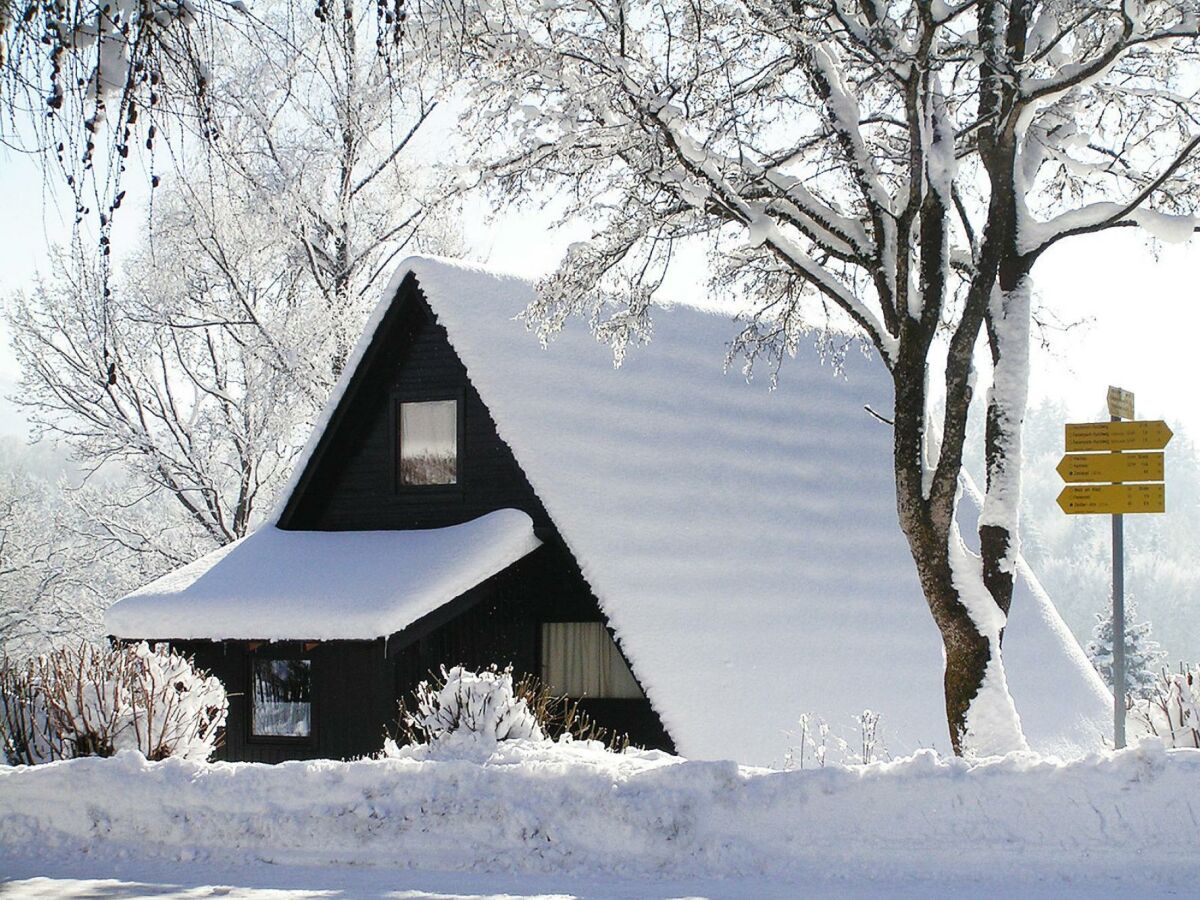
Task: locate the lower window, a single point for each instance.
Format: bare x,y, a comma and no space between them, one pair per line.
580,659
281,698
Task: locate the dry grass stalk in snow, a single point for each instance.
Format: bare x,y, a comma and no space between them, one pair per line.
1172,711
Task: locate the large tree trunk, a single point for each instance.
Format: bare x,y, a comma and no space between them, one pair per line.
979,712
968,651
1007,312
970,596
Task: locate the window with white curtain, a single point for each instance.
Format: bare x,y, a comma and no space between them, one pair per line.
579,659
429,442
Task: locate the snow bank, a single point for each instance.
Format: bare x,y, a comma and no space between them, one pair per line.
541,807
323,585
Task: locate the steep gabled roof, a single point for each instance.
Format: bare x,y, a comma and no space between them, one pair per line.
742,542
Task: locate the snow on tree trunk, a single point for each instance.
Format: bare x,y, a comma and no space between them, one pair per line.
990,724
980,713
1008,319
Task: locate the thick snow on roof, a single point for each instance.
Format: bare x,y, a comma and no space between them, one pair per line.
323,585
743,542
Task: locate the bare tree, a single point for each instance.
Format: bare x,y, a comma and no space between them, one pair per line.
67,548
323,134
202,367
895,169
41,599
190,388
91,87
51,586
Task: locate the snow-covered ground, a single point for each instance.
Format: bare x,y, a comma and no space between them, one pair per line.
187,881
537,819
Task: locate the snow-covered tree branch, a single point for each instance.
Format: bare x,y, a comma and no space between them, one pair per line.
91,88
322,136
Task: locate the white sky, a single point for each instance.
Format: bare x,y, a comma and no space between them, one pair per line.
1138,315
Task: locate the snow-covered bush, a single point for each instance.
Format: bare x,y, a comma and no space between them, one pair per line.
465,702
93,701
178,710
1172,712
26,728
490,705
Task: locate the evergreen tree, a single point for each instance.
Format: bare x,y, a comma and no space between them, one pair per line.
1143,657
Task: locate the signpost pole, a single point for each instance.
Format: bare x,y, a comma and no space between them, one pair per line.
1120,406
1118,628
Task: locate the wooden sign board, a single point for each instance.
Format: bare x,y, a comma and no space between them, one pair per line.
1081,467
1092,436
1120,403
1090,499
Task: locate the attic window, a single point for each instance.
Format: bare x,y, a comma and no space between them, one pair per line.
281,698
428,432
580,659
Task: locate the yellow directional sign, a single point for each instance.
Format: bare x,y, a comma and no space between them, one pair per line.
1083,499
1146,435
1079,467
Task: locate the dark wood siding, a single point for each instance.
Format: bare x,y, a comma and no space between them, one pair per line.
352,698
505,629
353,485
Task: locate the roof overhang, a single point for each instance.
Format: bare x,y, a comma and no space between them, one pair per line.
323,585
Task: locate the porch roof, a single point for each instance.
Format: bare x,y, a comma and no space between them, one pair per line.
323,585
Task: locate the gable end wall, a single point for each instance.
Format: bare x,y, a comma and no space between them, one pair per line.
353,485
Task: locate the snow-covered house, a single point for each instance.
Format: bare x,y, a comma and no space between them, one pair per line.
469,497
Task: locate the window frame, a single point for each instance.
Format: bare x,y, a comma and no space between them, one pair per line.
277,653
428,396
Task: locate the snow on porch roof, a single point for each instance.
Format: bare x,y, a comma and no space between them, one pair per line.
323,585
743,542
